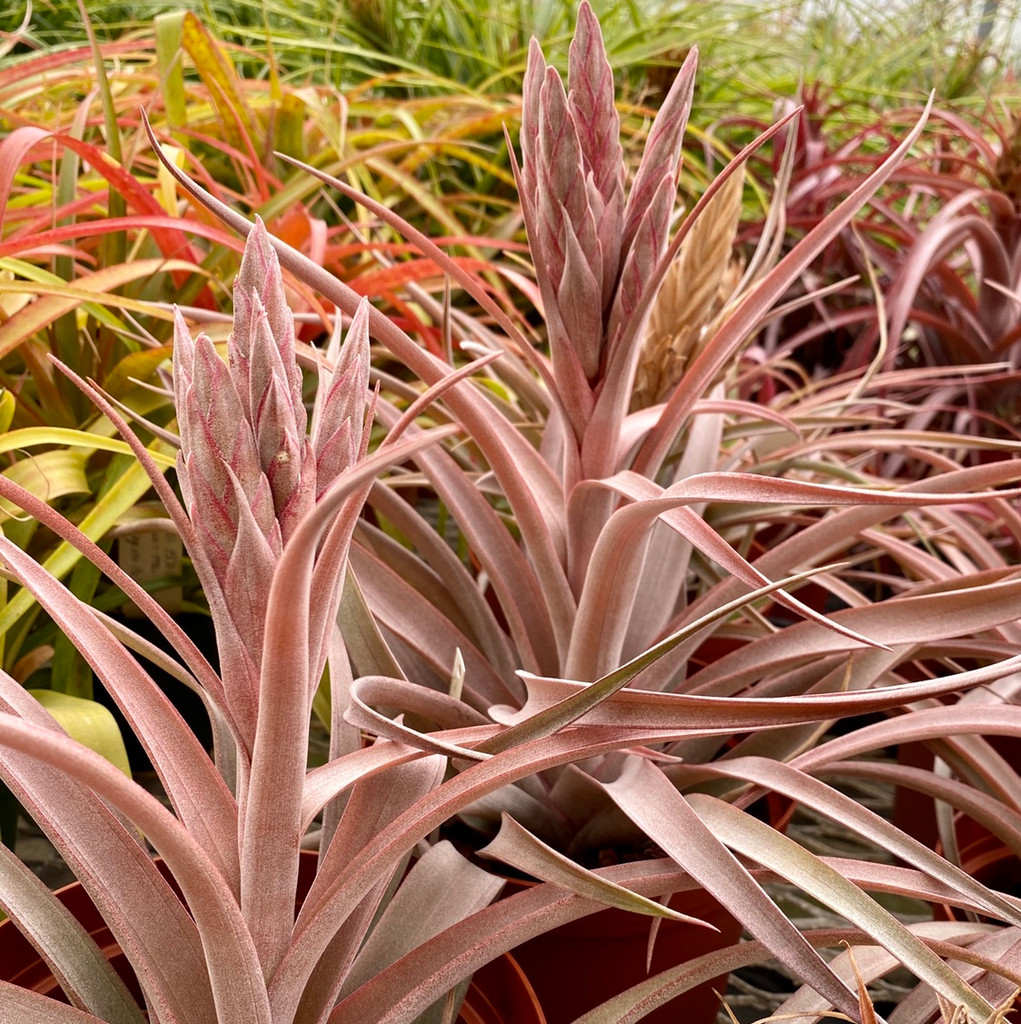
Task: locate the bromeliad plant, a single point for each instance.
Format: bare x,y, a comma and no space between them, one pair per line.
267,515
930,274
623,518
591,591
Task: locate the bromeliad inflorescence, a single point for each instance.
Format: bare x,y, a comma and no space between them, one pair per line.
595,250
248,468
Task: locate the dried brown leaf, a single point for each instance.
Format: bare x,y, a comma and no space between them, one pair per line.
697,284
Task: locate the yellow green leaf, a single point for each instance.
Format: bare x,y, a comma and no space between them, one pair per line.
166,191
168,29
88,441
290,126
89,723
133,367
116,502
48,475
94,290
217,71
7,406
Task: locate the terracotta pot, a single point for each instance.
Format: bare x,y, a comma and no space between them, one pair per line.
577,966
23,966
499,992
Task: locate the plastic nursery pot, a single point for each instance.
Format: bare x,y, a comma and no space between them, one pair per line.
913,812
986,859
499,992
579,965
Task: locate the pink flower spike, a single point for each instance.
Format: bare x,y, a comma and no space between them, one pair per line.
662,154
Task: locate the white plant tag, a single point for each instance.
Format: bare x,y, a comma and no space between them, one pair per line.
152,555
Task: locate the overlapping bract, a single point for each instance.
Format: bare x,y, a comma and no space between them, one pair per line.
249,471
594,250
